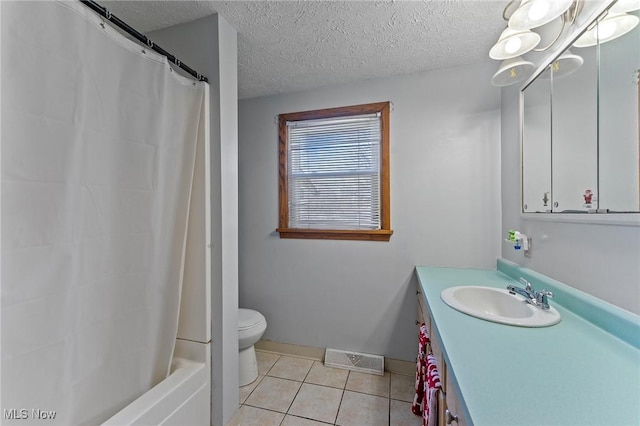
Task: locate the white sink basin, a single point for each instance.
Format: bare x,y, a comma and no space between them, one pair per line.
498,305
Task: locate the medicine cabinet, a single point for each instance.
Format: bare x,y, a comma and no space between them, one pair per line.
580,129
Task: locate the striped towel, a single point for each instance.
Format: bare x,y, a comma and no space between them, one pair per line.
421,371
432,386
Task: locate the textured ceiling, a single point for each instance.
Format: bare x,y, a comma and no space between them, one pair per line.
286,46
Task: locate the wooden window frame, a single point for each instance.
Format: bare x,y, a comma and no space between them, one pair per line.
382,234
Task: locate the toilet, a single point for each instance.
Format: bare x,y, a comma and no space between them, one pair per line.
251,327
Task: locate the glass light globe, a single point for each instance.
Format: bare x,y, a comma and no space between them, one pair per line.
538,10
512,45
606,29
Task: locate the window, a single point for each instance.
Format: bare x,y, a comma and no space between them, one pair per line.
334,173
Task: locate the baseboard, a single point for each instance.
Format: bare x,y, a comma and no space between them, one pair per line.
397,366
310,352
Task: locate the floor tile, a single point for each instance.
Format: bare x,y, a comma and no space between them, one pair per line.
328,396
401,414
327,376
265,361
249,416
361,409
291,368
290,420
274,394
245,391
403,387
368,383
317,403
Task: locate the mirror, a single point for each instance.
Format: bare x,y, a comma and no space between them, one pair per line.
536,147
574,133
580,130
619,110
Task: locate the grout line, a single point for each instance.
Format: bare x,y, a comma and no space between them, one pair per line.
343,389
289,355
294,398
307,375
273,365
307,418
254,388
282,378
264,408
290,405
389,402
335,421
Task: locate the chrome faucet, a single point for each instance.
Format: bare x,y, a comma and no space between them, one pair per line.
542,299
535,298
526,292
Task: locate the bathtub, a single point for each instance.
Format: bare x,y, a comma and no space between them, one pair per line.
182,399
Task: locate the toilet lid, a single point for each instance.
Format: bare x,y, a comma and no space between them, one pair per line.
248,318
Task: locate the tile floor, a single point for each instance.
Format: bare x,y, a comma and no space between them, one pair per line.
293,391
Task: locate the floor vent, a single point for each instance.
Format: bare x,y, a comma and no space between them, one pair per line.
355,361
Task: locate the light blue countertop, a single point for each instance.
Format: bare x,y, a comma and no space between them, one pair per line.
573,373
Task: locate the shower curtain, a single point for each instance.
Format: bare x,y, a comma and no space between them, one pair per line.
97,156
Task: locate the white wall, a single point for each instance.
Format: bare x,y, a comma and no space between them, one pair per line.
445,211
209,45
602,260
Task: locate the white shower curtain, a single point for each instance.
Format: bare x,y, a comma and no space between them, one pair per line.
98,147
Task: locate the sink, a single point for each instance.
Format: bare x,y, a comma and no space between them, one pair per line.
498,305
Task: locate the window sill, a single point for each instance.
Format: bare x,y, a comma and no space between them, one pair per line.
335,234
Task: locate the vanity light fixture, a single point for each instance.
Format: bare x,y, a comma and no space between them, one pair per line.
612,26
535,13
566,64
622,6
512,71
517,39
513,43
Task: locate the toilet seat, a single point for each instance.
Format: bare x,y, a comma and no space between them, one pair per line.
248,318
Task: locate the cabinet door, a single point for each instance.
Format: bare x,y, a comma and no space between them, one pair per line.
536,147
452,402
423,313
447,398
574,142
436,348
442,407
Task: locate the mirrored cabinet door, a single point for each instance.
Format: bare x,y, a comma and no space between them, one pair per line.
536,147
581,125
619,116
574,131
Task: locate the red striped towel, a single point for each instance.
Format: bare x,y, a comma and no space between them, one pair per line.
431,388
421,371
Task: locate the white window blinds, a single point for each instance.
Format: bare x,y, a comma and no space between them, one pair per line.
334,173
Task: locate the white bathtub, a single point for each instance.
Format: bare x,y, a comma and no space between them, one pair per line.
182,399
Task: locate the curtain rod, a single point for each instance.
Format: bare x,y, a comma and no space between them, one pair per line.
102,11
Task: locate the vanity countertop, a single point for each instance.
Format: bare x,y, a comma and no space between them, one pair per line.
572,373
